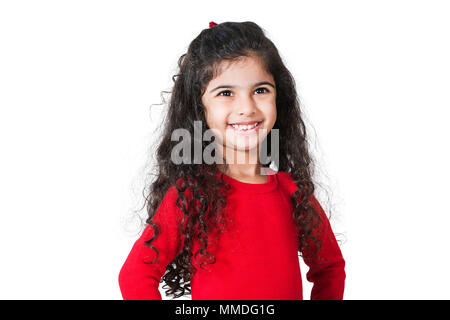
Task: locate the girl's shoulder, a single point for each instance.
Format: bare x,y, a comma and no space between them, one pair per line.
284,176
286,181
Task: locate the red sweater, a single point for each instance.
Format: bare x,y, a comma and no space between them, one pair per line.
257,257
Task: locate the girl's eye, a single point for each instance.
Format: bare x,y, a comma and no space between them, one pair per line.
228,91
263,89
220,93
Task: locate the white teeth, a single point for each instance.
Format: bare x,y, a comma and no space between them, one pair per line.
245,127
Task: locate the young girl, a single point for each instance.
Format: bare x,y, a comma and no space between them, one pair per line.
234,229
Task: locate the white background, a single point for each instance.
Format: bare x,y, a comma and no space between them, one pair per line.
77,79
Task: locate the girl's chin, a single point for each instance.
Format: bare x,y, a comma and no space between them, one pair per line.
242,147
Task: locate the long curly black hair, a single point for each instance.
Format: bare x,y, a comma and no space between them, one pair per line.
197,67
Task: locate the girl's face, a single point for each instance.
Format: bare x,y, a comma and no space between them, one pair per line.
242,96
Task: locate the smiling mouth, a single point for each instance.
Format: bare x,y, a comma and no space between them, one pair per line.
246,128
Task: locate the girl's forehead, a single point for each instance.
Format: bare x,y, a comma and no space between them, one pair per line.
243,67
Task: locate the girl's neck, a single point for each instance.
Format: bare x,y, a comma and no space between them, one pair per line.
250,173
249,170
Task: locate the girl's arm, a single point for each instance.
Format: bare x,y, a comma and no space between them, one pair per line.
139,280
327,270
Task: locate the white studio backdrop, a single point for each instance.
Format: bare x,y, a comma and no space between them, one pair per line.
76,83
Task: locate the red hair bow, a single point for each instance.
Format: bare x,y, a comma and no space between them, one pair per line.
212,24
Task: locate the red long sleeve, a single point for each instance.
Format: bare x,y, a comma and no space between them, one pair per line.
327,275
256,257
139,280
327,270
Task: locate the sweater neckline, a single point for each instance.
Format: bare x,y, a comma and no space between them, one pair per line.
270,185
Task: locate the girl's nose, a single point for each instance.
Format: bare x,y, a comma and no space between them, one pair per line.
246,106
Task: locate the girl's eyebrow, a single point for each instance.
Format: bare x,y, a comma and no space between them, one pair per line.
230,86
